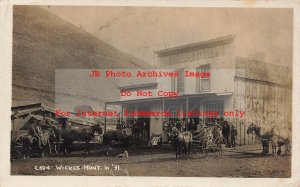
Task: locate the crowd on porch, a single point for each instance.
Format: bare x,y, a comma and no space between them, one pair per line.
184,124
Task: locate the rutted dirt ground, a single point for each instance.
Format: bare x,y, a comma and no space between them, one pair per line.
245,161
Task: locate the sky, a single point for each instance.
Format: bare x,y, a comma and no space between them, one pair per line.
264,34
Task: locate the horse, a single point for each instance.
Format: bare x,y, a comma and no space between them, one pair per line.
265,138
30,143
281,137
186,138
85,134
273,135
137,133
123,138
182,143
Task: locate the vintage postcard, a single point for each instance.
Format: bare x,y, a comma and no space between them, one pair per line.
188,92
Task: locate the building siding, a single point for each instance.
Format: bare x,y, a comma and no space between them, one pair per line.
261,90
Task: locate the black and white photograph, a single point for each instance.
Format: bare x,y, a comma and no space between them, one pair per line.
152,91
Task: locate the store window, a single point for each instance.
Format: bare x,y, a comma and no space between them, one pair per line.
214,107
178,82
203,84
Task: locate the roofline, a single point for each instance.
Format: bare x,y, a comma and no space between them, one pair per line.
39,106
19,114
203,44
171,98
263,81
27,106
80,121
83,106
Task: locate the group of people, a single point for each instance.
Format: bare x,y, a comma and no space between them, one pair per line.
131,124
228,132
139,129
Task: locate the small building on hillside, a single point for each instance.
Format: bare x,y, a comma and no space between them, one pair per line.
23,116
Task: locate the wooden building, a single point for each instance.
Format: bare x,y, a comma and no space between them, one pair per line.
261,90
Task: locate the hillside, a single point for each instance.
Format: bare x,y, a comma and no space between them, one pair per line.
43,42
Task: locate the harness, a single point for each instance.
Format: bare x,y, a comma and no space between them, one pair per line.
185,136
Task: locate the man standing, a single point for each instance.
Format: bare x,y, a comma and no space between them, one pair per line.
124,125
179,125
233,137
215,131
35,131
118,127
200,126
226,132
145,131
192,125
48,122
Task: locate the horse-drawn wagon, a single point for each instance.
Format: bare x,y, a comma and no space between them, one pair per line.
207,141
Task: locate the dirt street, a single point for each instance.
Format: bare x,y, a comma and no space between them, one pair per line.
245,161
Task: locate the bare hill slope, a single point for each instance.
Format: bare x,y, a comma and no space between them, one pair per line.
43,42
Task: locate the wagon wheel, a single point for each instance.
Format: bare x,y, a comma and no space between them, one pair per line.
218,142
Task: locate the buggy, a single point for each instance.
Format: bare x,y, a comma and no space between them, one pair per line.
207,142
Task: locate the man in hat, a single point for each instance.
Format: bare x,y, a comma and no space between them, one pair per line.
178,125
216,127
233,137
201,126
145,131
47,120
118,127
192,125
226,132
35,131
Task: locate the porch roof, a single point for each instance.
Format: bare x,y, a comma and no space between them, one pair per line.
170,98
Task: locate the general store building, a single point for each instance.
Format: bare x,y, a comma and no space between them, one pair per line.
261,90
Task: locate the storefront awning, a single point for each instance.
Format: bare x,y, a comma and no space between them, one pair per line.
187,96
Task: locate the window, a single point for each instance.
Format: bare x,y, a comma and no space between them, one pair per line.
203,84
214,107
129,118
173,109
178,82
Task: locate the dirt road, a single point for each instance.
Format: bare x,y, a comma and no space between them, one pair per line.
245,161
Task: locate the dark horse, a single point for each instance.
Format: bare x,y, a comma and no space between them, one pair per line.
182,144
265,138
117,137
85,134
30,144
137,133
